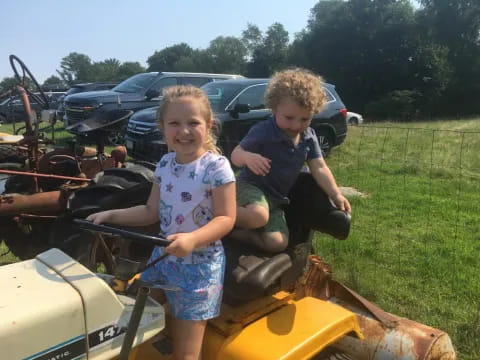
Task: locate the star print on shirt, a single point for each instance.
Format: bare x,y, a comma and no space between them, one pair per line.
218,183
169,187
163,163
192,174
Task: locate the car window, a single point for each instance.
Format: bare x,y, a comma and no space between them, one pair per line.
329,95
221,93
195,81
136,83
163,83
253,96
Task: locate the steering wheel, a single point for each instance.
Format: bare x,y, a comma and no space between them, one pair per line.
41,98
135,236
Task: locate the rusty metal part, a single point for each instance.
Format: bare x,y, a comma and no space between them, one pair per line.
24,173
93,167
26,105
119,153
387,336
46,203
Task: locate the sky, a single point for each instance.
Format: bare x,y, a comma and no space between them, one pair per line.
42,32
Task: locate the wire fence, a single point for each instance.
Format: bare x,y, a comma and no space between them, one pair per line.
414,246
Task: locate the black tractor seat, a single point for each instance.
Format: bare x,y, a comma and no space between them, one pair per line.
252,273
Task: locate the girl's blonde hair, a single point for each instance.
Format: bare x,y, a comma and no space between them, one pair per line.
171,95
301,85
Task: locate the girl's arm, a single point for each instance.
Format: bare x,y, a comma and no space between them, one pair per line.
324,178
134,216
224,211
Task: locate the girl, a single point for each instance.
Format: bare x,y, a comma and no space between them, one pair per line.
194,197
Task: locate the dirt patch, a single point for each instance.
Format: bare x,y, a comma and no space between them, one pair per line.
350,191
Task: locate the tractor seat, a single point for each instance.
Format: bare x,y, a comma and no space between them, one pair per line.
252,273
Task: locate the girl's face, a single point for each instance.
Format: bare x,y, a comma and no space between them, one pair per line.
186,129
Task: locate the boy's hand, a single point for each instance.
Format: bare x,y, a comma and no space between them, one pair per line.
258,164
182,244
342,203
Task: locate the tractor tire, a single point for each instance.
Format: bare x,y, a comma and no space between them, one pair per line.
113,188
11,154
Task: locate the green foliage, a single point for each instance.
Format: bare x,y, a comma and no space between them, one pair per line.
53,82
398,105
8,83
166,59
271,54
369,49
78,68
129,68
227,54
75,68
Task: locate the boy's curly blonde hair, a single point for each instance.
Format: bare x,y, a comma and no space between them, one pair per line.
171,94
300,85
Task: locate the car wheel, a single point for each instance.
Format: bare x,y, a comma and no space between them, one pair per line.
353,120
325,140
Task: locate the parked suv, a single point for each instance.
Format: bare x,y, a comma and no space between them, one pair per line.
12,110
78,88
238,104
137,92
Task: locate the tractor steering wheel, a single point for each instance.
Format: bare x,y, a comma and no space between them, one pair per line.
133,235
40,98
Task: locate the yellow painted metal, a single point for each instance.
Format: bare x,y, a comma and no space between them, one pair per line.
296,331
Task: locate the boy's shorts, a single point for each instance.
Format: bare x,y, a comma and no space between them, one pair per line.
251,194
201,285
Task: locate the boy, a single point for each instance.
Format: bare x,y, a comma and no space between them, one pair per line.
272,155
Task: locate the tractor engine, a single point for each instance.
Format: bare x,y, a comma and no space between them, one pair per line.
52,307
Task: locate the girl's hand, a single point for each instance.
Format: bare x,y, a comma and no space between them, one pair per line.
258,164
182,244
100,217
342,203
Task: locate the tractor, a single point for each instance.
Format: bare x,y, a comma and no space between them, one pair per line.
275,306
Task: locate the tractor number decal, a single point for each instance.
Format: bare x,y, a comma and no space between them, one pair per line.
75,348
103,335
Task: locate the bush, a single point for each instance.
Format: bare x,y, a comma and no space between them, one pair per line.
396,105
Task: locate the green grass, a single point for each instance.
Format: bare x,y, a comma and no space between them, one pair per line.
415,239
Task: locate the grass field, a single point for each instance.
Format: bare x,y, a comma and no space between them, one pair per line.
415,240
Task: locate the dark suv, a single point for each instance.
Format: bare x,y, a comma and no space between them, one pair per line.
78,88
238,104
137,92
12,110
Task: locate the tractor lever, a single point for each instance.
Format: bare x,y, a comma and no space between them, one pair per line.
113,230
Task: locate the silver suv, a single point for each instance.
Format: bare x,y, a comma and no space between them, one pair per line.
135,93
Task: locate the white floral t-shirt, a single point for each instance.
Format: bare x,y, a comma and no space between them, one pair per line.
186,198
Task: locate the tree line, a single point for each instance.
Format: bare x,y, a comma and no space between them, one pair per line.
387,58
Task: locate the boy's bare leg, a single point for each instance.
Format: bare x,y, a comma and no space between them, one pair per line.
251,216
187,338
268,241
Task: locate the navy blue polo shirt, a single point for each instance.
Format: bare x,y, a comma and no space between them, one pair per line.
287,160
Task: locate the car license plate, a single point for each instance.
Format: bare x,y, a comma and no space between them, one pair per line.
129,144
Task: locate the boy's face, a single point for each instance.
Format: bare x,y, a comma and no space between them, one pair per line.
292,118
